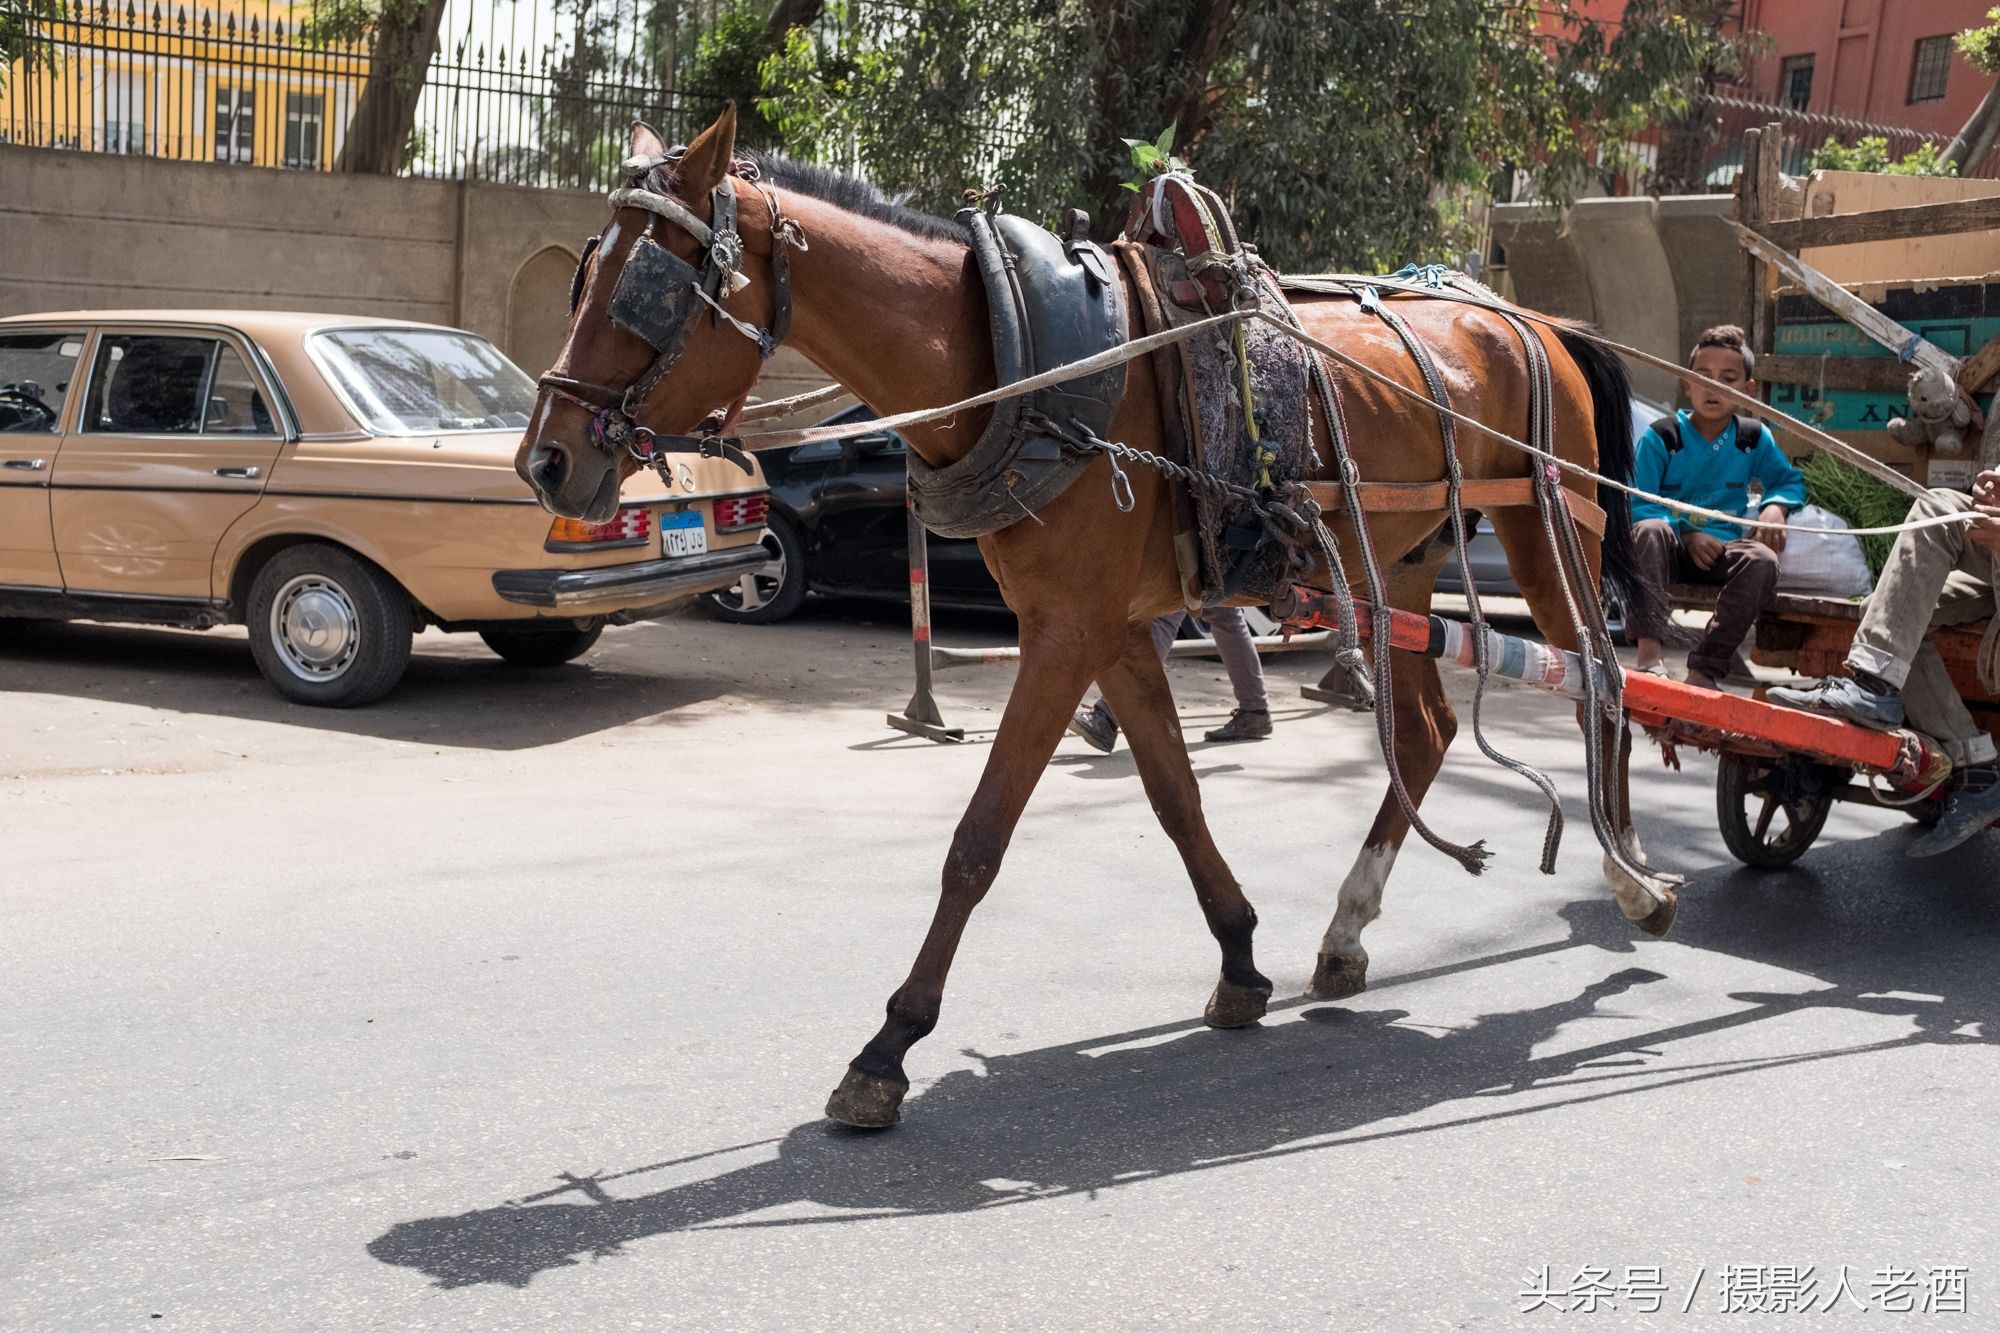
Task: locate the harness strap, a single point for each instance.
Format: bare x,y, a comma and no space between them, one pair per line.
1419,497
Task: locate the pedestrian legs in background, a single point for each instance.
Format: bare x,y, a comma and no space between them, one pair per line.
1251,719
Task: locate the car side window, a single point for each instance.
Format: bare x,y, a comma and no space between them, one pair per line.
173,385
235,404
150,384
36,371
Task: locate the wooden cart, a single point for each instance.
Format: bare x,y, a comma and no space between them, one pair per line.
1771,801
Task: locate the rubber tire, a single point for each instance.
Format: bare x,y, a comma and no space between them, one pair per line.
541,648
380,605
1735,776
791,593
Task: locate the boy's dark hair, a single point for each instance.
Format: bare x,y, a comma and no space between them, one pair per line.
1732,337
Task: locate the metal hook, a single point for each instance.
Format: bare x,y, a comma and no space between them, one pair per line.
1121,487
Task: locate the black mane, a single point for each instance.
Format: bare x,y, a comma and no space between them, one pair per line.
854,195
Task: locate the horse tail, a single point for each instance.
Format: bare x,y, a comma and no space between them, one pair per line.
1611,421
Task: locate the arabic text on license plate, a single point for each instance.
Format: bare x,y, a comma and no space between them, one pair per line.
683,533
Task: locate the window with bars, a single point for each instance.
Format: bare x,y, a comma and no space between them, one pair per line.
235,124
305,127
1930,69
1795,77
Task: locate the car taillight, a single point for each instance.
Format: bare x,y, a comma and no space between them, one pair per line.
630,526
734,513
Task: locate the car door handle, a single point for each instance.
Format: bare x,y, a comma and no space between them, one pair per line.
28,464
245,473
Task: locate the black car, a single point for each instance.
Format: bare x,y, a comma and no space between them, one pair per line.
837,526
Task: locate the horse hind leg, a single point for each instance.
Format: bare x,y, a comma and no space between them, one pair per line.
1649,903
1137,691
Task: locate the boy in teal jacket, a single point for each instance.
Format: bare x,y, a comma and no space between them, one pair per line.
1706,455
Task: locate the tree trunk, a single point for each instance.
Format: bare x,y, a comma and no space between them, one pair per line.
789,14
1180,98
1976,139
405,40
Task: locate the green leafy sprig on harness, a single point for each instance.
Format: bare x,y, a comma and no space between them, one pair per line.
1153,159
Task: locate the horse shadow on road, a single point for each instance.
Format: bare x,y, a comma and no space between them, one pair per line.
1178,1099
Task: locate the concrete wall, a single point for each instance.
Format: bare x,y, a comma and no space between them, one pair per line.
80,230
1649,272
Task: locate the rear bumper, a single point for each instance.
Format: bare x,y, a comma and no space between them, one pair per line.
643,584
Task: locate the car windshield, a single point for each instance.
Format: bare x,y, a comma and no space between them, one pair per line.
413,381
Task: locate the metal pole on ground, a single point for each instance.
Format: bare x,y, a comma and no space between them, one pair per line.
921,717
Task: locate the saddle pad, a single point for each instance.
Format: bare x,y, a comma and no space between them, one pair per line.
1237,558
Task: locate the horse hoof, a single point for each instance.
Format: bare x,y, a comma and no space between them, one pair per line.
1234,1006
1661,919
1337,978
866,1101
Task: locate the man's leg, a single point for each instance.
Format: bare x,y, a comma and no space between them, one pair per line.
1896,618
1935,708
1095,725
1655,548
1748,572
1252,719
1899,612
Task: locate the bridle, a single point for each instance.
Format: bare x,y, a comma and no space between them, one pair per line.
659,298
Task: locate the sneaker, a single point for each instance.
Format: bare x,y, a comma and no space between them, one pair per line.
1837,696
1972,807
1097,727
1245,724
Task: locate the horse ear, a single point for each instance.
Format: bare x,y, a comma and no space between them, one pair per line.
706,160
645,141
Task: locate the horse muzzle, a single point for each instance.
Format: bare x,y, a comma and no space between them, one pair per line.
570,481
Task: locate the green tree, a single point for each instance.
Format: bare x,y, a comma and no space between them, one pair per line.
1342,131
1981,48
1871,153
19,42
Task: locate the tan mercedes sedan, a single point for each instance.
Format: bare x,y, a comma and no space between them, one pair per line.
333,484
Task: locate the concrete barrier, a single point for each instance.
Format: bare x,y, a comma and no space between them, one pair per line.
1649,272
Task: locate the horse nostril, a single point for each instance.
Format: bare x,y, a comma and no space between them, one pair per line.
547,466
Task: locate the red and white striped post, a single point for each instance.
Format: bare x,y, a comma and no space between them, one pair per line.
921,717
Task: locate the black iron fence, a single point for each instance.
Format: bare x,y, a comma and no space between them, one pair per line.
518,93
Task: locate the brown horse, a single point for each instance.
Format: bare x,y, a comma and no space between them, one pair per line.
888,302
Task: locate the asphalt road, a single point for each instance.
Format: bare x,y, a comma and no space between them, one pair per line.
512,1003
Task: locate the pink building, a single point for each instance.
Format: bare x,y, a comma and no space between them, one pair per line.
1889,62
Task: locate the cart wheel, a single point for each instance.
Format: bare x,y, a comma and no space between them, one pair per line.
1770,814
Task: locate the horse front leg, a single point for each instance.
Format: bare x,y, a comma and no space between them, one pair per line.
1056,668
1137,691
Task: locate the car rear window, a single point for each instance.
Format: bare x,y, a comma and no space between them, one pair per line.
415,381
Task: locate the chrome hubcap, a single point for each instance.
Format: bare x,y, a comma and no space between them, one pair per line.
314,627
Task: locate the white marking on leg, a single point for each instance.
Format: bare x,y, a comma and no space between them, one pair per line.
1360,901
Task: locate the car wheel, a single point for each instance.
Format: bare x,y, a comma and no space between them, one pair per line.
771,593
328,628
541,648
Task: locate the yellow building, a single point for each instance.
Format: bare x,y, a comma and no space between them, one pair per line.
220,81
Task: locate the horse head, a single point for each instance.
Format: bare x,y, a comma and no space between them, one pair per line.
640,367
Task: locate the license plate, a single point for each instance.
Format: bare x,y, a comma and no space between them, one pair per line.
683,533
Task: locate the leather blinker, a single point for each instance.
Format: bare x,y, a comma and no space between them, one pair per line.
655,295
